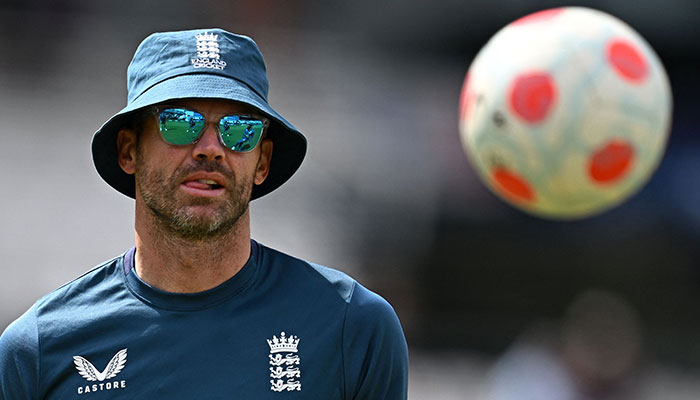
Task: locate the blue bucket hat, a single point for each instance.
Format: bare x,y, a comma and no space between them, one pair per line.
202,63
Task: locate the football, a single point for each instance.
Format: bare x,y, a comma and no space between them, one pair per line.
565,113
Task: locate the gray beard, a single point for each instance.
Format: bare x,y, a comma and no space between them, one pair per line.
158,193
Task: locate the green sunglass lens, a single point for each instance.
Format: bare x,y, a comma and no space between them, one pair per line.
241,133
180,126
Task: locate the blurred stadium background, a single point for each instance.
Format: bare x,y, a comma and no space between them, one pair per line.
495,304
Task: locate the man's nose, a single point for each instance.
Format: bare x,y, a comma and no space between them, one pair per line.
208,146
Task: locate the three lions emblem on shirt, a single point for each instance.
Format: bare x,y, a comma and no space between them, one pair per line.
284,360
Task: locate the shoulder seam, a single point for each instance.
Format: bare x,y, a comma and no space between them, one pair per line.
342,340
352,291
317,270
38,351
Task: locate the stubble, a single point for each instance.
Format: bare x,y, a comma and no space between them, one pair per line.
185,217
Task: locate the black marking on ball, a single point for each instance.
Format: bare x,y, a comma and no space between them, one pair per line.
498,119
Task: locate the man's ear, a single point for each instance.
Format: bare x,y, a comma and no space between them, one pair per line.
127,141
263,167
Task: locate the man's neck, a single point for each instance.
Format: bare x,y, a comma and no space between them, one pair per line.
178,265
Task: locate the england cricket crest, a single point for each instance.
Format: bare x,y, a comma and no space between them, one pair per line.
284,360
208,52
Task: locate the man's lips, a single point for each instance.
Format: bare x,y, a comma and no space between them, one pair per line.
204,184
205,178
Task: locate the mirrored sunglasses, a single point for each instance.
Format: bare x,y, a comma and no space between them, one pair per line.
238,132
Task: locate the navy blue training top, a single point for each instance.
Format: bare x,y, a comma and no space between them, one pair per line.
281,328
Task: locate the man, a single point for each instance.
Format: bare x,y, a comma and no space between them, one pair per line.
197,309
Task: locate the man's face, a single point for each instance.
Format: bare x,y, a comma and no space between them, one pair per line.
201,190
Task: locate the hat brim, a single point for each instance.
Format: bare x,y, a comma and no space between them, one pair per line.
289,143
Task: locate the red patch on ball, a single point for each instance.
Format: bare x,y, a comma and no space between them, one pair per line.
611,162
627,60
532,96
466,99
513,185
543,15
